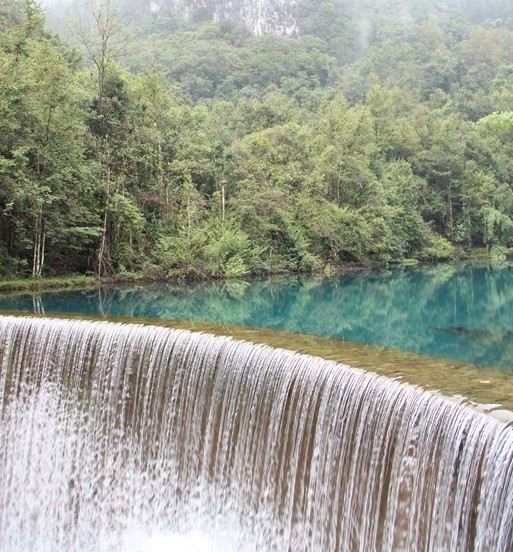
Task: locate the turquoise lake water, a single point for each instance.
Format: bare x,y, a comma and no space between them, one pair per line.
459,312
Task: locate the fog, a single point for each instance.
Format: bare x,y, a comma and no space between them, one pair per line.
53,3
364,14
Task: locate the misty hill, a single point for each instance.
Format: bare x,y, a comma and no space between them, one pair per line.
259,16
293,17
225,48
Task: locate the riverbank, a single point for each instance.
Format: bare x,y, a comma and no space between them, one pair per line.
59,282
92,280
82,281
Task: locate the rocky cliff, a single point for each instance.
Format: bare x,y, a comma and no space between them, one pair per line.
260,16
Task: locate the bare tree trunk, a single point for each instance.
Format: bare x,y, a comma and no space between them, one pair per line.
105,177
38,252
35,253
103,247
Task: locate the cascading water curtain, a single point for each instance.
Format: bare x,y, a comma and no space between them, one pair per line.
139,438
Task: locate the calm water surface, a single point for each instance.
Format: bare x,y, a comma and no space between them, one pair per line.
458,312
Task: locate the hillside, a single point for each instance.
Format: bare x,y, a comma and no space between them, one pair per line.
221,49
167,142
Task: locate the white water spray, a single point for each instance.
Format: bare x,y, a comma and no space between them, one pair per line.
137,438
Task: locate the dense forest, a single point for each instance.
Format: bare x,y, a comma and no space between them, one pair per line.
139,143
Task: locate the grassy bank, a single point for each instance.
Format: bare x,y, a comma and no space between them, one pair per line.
80,280
36,284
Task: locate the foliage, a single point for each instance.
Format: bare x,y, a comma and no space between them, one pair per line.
375,135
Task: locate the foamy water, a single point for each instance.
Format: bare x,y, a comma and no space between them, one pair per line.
144,439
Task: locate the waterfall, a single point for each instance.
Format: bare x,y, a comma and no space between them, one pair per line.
138,438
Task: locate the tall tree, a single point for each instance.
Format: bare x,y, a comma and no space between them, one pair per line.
99,32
